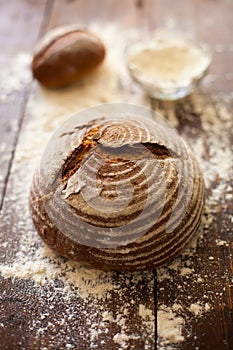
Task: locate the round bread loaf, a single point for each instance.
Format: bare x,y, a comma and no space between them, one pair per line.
117,193
65,55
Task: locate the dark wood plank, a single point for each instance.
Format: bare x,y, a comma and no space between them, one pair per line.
195,292
216,31
16,17
202,278
39,318
124,13
200,281
173,15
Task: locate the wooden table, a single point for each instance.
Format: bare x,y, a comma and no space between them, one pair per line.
185,305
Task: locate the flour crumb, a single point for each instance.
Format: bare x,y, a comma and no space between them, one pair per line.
207,307
145,313
221,243
186,271
176,307
122,339
196,309
169,326
107,316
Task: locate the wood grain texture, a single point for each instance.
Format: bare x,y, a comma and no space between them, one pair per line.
40,317
215,30
208,280
16,17
210,264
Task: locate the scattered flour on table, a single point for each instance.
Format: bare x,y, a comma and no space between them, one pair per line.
174,322
212,147
16,75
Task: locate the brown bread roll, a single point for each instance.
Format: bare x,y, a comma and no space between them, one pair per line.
122,193
65,55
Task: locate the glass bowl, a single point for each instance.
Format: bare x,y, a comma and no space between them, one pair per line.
169,66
